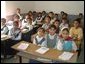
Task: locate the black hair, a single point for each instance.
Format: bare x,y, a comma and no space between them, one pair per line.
40,28
78,20
66,29
3,20
52,26
48,17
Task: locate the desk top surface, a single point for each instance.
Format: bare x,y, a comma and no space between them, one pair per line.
51,54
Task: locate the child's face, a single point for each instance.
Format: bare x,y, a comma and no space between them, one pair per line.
56,24
15,25
65,34
47,20
52,31
27,16
63,21
3,23
40,33
76,24
51,15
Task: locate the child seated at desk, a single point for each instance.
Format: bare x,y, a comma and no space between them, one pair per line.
65,42
4,28
51,38
40,37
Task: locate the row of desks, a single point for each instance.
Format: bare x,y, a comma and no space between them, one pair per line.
52,54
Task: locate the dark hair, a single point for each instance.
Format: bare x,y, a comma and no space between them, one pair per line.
16,16
18,9
57,20
3,20
80,14
78,20
66,29
52,26
48,17
40,28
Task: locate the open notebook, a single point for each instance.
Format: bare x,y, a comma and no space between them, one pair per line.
42,50
23,46
66,56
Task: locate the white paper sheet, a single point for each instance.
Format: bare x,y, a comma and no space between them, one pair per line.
23,46
65,55
42,50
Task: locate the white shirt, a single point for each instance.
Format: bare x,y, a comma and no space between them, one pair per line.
9,24
39,39
16,32
60,45
51,37
45,26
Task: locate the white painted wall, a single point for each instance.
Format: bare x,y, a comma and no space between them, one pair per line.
25,6
71,7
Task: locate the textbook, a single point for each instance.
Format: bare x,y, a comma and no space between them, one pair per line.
23,46
42,50
66,56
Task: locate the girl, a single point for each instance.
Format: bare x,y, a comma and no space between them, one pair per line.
51,38
40,37
38,19
65,42
76,32
4,28
18,12
63,23
57,23
47,23
15,34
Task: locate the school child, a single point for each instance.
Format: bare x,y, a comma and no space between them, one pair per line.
51,38
15,34
4,28
25,21
39,18
55,18
40,37
76,32
47,23
63,23
65,42
81,17
43,14
57,23
18,12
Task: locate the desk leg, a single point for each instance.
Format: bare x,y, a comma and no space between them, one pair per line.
20,59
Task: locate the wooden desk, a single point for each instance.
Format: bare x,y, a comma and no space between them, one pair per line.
52,54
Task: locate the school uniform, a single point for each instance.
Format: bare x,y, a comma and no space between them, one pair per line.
15,38
4,30
66,45
45,26
63,25
37,20
39,40
51,41
9,24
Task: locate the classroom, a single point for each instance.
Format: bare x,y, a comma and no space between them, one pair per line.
42,31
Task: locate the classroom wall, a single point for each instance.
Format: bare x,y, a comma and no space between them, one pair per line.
25,6
71,7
